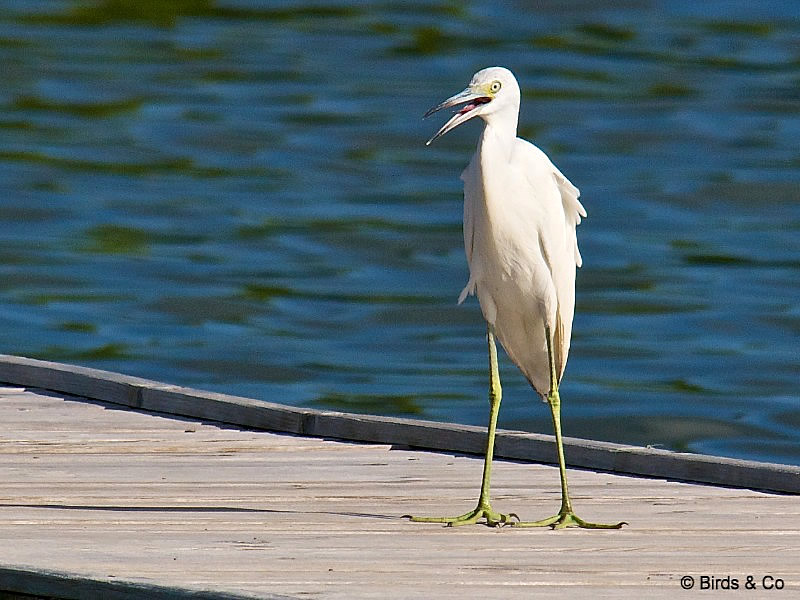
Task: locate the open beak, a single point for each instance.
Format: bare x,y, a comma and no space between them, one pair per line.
469,99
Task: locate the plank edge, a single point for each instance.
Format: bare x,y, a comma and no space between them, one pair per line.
143,394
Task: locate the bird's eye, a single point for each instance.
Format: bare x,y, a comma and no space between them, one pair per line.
495,87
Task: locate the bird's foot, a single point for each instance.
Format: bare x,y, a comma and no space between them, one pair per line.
492,518
567,518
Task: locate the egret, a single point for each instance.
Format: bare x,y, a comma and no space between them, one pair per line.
520,215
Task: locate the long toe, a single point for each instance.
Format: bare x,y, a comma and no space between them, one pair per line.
491,518
568,519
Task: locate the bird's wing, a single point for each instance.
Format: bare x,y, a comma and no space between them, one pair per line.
573,209
471,179
573,212
560,213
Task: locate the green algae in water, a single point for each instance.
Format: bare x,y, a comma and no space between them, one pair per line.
118,239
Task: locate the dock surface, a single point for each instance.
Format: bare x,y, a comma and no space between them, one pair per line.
98,500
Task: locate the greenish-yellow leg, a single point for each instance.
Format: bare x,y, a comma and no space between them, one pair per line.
566,517
484,509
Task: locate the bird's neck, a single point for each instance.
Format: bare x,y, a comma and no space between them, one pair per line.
498,135
495,151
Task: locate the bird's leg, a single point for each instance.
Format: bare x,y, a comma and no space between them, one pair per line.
484,509
566,517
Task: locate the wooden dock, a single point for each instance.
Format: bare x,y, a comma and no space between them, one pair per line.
102,499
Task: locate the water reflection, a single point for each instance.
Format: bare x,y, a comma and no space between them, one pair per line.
236,196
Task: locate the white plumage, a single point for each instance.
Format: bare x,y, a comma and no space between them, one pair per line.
520,215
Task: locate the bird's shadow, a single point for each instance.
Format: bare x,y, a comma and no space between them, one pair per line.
193,509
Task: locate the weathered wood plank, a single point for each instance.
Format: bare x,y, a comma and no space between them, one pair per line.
96,500
154,396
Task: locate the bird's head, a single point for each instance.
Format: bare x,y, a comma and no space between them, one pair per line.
491,91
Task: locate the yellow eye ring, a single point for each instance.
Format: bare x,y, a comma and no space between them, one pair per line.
495,87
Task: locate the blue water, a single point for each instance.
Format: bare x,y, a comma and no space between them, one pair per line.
236,196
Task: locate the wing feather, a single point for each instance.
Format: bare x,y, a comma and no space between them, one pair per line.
470,177
561,254
573,209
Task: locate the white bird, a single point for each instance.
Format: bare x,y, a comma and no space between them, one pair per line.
520,215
